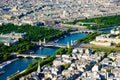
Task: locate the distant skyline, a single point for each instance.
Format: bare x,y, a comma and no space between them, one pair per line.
32,11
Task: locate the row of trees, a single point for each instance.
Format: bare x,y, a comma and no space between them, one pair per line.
33,67
102,22
47,61
88,38
66,66
20,48
118,45
4,57
35,33
64,51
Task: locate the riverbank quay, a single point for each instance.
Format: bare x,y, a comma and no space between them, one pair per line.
106,28
83,31
3,64
68,38
99,23
18,72
83,62
33,67
99,60
26,61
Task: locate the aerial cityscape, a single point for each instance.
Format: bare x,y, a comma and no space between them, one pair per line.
59,39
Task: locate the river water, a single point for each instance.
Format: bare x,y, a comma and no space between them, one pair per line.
107,29
21,64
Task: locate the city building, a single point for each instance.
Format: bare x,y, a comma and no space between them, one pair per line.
11,38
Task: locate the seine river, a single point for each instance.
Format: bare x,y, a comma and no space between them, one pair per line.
21,64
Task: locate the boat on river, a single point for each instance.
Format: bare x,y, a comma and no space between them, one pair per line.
13,74
56,40
16,72
2,72
4,64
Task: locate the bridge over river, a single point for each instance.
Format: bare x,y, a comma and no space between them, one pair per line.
54,45
30,55
83,31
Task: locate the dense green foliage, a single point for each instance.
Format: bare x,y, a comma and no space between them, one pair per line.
47,61
113,60
3,49
118,45
5,56
34,33
61,51
64,51
107,49
66,66
69,50
33,67
109,70
101,22
20,48
72,22
71,30
88,38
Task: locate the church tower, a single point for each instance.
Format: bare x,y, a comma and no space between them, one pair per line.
44,41
68,45
39,68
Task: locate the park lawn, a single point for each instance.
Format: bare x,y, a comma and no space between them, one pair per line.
97,23
105,48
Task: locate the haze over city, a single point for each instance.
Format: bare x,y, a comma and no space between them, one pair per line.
59,39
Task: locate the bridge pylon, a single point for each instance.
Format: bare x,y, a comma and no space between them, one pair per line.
71,43
68,45
39,68
40,42
44,41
